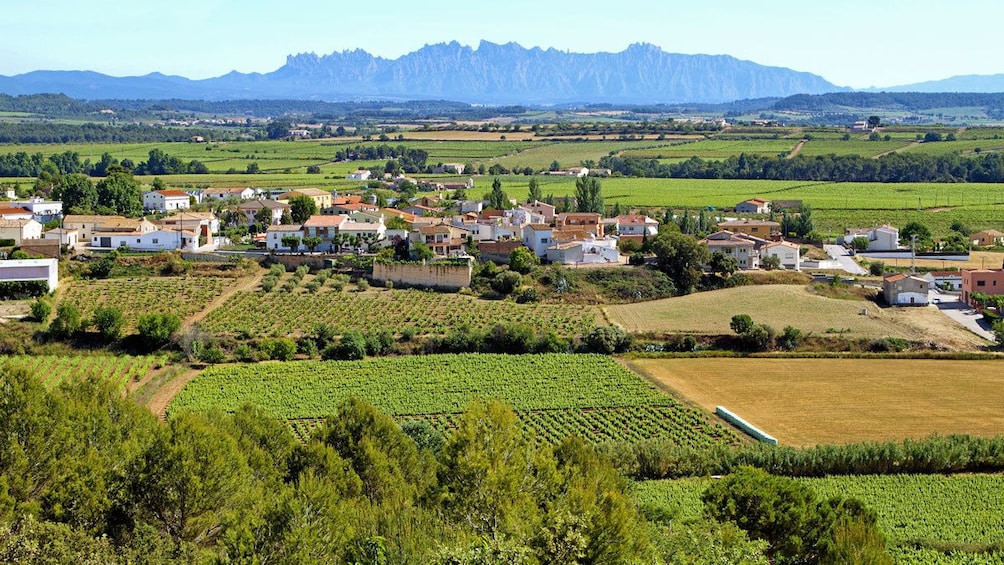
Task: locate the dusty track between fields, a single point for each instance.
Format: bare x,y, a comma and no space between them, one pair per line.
820,401
245,283
796,150
161,399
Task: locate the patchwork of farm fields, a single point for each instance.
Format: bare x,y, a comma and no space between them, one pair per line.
555,394
54,370
279,313
138,296
836,401
954,509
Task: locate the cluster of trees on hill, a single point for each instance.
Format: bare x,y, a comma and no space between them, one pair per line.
914,101
410,160
895,167
89,476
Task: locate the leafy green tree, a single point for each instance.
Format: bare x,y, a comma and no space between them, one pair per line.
108,321
535,194
916,229
291,242
874,121
301,208
804,224
681,257
277,129
588,195
998,331
497,198
607,340
741,324
506,282
523,260
771,263
311,242
790,337
723,265
77,192
121,194
351,346
859,243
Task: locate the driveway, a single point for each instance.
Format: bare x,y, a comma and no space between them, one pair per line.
840,254
950,306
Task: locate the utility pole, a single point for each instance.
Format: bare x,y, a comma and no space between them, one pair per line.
913,254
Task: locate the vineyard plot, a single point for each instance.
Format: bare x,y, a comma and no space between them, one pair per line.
555,395
297,313
53,370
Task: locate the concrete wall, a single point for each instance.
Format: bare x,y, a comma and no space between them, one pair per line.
431,275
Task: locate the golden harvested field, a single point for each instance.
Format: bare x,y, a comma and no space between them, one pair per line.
782,305
820,401
977,260
774,305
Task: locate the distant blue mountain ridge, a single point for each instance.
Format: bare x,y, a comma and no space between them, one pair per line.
489,74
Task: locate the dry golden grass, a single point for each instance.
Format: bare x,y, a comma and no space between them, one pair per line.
977,260
774,305
821,401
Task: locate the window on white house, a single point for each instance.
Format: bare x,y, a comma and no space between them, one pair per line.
156,241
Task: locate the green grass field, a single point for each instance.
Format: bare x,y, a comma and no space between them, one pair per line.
555,395
956,509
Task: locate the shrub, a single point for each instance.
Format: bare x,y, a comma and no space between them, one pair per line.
67,322
528,295
741,324
156,329
41,310
351,346
108,321
212,355
506,282
268,283
636,259
607,340
523,260
876,269
790,338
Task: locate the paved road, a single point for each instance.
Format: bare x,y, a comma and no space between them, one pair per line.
950,306
839,254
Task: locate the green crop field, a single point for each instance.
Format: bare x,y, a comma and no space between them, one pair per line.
555,394
56,369
295,313
962,509
855,146
716,149
137,296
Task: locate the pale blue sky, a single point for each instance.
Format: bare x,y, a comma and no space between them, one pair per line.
856,43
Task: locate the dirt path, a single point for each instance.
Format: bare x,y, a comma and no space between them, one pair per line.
166,392
796,149
904,148
245,283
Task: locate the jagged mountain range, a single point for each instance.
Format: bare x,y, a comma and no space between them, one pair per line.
489,74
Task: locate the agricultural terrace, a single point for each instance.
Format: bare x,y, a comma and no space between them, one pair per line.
854,146
54,370
715,149
555,395
775,305
834,401
281,313
952,509
138,296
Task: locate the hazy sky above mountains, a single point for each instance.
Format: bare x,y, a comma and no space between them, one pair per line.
857,43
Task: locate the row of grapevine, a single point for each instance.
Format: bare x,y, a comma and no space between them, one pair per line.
555,395
56,369
282,313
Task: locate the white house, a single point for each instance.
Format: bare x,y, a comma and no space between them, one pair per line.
742,249
31,270
252,208
15,213
882,238
41,209
361,174
788,253
903,289
165,200
538,237
20,230
634,225
946,280
274,235
246,193
754,206
156,240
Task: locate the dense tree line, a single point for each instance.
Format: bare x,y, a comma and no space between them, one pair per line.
410,160
894,167
22,164
913,101
43,132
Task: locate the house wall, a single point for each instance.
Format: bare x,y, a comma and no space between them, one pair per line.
31,270
430,275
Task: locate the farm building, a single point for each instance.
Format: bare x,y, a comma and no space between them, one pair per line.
67,237
361,174
905,290
986,281
987,238
20,230
31,270
754,206
273,238
882,238
41,209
